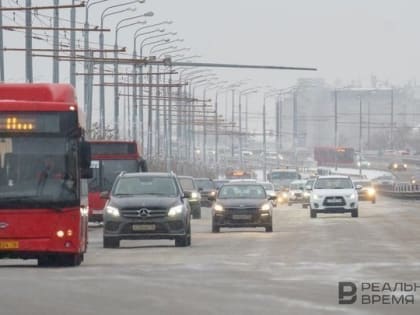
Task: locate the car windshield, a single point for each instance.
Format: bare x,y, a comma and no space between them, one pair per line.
145,185
242,192
333,183
296,186
284,175
362,183
205,184
268,186
187,184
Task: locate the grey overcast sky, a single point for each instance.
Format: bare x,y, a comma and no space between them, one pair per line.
345,39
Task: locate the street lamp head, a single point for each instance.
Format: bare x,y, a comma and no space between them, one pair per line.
173,33
150,13
132,9
168,22
142,1
161,30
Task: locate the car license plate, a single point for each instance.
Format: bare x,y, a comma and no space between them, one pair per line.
144,227
9,244
333,200
241,216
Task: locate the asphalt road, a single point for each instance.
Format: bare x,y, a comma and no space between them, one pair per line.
294,270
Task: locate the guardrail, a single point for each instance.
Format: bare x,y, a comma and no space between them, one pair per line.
400,190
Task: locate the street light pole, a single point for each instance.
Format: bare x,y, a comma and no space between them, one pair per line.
116,83
28,43
1,46
56,65
360,135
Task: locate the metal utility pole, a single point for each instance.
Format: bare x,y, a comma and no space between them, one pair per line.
240,130
73,44
1,46
170,118
216,149
56,67
278,129
233,119
360,135
204,127
264,144
335,128
28,43
149,119
392,120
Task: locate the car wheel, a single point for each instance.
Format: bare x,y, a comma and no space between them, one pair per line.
182,241
313,213
355,213
111,242
215,228
196,213
269,228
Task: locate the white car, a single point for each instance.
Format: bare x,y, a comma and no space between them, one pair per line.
334,194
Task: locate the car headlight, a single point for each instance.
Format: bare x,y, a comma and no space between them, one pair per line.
395,165
195,195
371,191
112,211
284,194
174,211
306,194
265,207
212,193
352,196
218,208
405,165
316,197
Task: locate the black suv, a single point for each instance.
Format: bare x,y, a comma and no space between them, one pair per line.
146,206
207,189
190,187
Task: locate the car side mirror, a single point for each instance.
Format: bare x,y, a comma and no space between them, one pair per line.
104,195
272,197
187,194
358,187
211,197
309,187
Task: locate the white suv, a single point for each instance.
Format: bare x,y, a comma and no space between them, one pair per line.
334,194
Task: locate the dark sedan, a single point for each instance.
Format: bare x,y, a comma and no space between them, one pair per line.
207,189
365,190
242,204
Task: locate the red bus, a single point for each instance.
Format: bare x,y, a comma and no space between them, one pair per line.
330,156
110,158
43,158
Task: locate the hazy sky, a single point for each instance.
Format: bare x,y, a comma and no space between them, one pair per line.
348,40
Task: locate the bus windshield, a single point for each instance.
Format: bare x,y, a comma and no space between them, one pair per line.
38,171
105,172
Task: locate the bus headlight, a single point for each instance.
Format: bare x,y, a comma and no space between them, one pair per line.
174,211
115,212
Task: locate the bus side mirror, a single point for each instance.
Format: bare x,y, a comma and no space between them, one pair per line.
85,155
85,159
86,173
